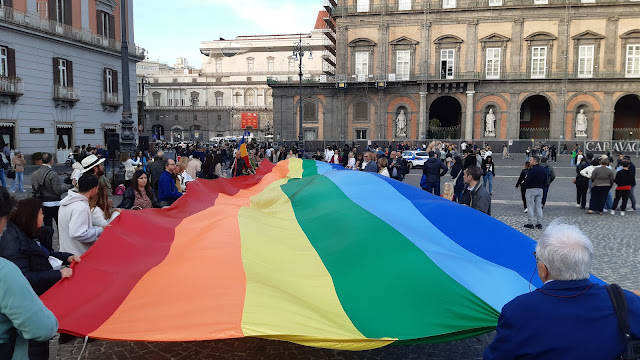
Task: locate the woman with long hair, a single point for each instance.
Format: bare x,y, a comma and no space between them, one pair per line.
458,178
141,159
139,195
129,166
383,163
102,210
216,167
28,244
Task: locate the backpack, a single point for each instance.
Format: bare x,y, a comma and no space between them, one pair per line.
119,191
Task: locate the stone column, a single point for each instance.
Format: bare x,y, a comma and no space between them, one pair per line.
382,58
516,46
468,130
472,46
513,119
422,122
606,118
342,48
610,43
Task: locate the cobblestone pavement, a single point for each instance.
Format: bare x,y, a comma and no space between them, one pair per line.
616,260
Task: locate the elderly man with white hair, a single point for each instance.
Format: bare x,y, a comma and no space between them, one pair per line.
569,317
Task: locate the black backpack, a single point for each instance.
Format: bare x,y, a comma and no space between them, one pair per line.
619,301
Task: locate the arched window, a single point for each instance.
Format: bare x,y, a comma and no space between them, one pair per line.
310,112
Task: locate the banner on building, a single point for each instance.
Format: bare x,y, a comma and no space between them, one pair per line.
249,120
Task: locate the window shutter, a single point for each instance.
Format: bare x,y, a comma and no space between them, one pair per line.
69,73
8,3
52,10
104,80
99,20
56,72
114,79
11,62
112,27
68,13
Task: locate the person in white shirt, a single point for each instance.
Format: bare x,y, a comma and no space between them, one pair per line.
383,163
75,230
102,211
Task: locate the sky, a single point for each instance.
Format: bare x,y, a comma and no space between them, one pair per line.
172,29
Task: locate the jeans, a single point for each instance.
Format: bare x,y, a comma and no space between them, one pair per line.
573,162
609,202
488,181
545,192
18,181
433,187
2,178
523,193
632,197
534,206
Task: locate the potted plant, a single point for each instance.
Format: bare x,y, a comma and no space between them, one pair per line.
37,158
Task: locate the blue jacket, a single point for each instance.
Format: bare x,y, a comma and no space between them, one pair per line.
371,166
22,315
434,169
538,325
167,190
536,178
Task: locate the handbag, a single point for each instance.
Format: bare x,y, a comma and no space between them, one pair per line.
11,174
619,301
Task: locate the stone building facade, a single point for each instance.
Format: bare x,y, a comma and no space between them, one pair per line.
60,73
185,104
539,66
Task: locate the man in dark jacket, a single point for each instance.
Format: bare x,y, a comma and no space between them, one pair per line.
433,169
167,191
535,182
155,170
551,175
475,195
398,166
582,183
47,187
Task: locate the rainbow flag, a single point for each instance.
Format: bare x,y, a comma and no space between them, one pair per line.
301,252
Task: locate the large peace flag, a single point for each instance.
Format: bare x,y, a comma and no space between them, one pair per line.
303,252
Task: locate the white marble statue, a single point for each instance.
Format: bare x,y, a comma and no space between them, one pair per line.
581,124
490,120
401,124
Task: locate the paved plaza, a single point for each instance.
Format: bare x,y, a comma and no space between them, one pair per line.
616,260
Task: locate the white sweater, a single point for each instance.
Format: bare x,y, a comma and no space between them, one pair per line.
97,217
75,231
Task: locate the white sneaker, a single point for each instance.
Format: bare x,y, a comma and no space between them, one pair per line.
577,205
621,213
526,210
613,212
631,209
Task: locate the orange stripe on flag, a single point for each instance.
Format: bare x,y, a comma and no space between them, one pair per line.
198,291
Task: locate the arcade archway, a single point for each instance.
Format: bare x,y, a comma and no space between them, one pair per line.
535,118
445,116
626,119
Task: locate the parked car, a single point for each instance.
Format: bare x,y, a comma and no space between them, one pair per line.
415,157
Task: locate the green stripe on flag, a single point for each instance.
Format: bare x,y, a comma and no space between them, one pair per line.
309,168
387,286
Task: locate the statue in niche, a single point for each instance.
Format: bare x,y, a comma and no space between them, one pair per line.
401,124
490,124
581,123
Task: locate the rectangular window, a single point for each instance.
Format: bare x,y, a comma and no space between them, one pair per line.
585,61
448,4
170,98
538,62
447,57
362,63
403,63
43,9
156,101
495,2
270,65
292,65
363,6
404,5
361,134
219,66
310,134
108,78
62,71
219,101
250,65
493,63
60,11
633,60
4,62
105,24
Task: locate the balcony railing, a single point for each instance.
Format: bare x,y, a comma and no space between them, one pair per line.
65,93
432,5
534,133
33,21
112,99
209,108
626,134
11,86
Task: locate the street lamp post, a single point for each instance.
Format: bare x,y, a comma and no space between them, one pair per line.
127,136
299,49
